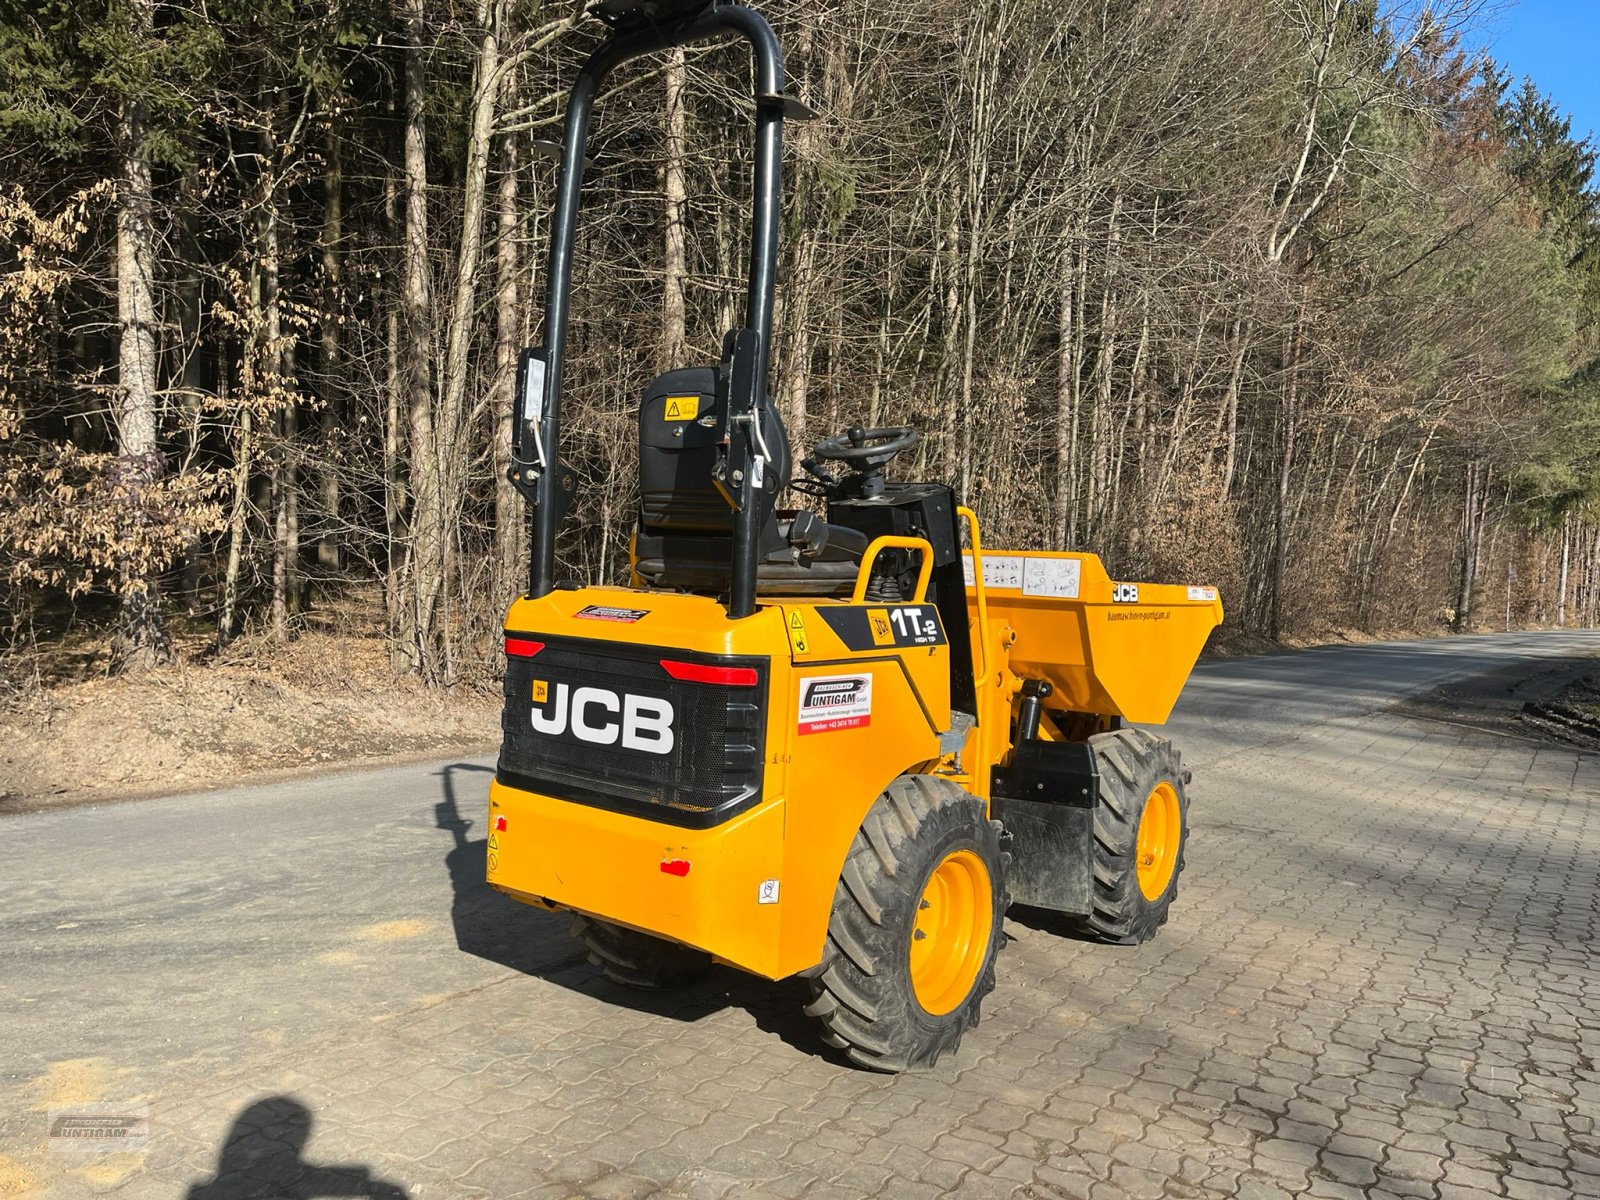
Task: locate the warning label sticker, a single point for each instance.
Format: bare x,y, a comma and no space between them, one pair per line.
797,634
829,702
1051,577
604,612
681,408
999,570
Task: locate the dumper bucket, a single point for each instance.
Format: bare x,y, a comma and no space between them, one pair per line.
1120,649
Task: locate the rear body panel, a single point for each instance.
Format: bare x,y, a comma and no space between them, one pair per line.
688,843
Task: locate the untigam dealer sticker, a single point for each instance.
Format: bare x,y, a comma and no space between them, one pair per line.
829,702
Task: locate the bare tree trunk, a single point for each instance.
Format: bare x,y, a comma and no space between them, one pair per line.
143,640
510,544
880,361
450,425
1566,562
1230,454
191,375
294,577
394,491
1593,610
945,263
426,551
387,302
279,474
796,376
1280,540
725,252
279,491
333,394
675,275
1077,517
1066,406
1469,550
238,515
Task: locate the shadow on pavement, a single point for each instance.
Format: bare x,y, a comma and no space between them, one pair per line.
487,924
534,942
1056,924
261,1160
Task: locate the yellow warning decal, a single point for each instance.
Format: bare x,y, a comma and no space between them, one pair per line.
878,623
541,691
797,634
682,408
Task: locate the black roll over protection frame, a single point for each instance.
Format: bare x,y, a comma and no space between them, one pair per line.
640,27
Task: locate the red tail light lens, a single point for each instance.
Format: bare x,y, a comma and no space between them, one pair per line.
699,673
522,648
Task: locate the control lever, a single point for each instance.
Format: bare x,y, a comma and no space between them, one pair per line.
813,468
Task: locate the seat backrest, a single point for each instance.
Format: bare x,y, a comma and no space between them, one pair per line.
680,426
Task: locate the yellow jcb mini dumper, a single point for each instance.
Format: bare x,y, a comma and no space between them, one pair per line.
833,748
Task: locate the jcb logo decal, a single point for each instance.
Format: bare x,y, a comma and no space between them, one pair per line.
1125,593
882,631
604,718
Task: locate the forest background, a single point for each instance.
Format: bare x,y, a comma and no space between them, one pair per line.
1294,297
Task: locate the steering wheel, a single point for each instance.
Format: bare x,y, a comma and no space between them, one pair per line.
866,449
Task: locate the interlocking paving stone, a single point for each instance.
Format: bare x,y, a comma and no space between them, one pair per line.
1377,982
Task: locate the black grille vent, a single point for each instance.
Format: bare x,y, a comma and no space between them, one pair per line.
713,769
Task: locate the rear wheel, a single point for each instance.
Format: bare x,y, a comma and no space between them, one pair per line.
638,960
1141,824
915,929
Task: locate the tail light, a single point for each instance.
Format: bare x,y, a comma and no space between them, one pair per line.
701,673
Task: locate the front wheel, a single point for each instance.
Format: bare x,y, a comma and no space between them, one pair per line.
1141,827
915,928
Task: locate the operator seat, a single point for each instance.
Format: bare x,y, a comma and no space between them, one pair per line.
685,533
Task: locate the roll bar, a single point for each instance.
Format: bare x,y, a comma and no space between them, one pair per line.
537,426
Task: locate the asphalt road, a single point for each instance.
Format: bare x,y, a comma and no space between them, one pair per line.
193,951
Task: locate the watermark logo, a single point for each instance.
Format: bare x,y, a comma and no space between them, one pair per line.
99,1128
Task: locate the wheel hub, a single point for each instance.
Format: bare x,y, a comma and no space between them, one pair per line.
950,936
1160,833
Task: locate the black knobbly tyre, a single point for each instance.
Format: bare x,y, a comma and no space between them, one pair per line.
1141,827
638,960
915,929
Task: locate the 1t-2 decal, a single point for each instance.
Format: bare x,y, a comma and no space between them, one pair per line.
911,624
881,628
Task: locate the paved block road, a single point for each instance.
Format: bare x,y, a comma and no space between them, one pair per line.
1380,980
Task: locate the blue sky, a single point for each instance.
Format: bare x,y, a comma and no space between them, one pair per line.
1557,42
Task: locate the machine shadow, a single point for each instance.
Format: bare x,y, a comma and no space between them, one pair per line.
498,929
1045,920
262,1157
487,925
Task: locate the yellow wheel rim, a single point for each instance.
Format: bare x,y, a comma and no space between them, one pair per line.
950,937
1160,831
